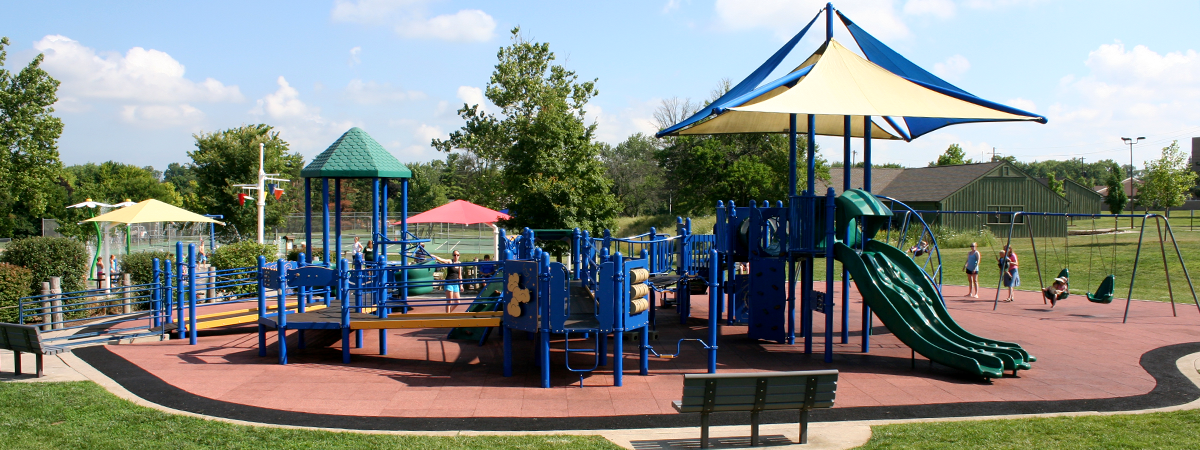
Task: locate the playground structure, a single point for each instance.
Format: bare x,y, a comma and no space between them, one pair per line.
758,267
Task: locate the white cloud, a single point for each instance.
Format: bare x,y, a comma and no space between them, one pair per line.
952,68
299,123
426,133
372,93
140,75
354,58
411,19
942,9
1136,84
786,17
154,116
1022,104
472,96
634,117
468,25
671,5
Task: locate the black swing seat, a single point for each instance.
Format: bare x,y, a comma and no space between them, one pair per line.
1104,292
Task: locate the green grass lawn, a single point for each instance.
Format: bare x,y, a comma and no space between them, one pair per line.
82,415
1131,431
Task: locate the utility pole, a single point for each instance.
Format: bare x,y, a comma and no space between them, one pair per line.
993,153
1131,141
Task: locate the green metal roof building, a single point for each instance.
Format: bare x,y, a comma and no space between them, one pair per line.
994,186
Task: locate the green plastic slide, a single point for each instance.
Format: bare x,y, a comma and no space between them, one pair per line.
899,294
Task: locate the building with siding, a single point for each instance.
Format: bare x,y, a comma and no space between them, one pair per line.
994,186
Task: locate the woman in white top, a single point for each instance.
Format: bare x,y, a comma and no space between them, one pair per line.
972,269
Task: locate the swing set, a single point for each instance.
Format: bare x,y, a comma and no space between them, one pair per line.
1105,292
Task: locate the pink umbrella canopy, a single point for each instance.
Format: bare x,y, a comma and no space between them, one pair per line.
460,212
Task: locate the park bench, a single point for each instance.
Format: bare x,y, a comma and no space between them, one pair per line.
757,392
26,339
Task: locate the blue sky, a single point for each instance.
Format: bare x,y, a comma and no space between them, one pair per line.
139,78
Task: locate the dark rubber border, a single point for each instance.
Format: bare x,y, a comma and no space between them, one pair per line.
1171,388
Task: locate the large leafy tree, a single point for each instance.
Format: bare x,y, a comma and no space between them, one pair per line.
229,157
548,162
29,164
637,177
1115,198
1168,179
115,182
953,156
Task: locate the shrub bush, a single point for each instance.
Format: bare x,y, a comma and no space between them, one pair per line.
238,255
294,253
140,266
14,284
50,257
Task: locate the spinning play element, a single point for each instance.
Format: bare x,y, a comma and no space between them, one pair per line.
520,295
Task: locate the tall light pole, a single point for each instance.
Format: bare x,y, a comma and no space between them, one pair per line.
1131,141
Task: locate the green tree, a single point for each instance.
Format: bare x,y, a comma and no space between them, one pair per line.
1167,180
29,164
116,182
546,154
225,158
637,177
425,189
1055,185
183,177
953,156
1115,198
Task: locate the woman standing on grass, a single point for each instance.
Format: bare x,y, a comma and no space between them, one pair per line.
972,269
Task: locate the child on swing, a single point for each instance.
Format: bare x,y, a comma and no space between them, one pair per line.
1056,290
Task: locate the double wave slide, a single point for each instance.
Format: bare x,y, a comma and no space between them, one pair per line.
906,301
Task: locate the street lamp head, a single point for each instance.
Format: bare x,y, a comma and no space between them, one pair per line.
1126,140
1141,137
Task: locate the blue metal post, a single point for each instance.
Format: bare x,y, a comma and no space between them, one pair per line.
325,221
792,157
713,318
168,294
866,310
302,293
828,21
358,284
182,292
308,217
156,295
507,338
828,306
383,210
812,154
262,305
281,310
192,294
619,334
337,227
375,214
846,185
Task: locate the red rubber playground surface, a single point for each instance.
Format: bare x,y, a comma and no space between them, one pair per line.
1083,351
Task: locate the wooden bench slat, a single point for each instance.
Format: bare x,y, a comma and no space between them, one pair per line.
750,381
747,406
770,399
736,376
694,391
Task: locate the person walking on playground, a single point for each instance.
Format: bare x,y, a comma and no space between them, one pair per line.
201,254
1010,277
453,274
972,269
358,247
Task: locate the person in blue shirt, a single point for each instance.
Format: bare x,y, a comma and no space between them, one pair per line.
972,269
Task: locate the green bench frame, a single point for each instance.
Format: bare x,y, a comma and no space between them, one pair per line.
757,392
26,339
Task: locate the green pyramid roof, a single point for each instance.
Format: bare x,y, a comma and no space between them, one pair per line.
356,155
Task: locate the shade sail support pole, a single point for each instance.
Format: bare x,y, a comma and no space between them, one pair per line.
828,21
812,154
792,156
